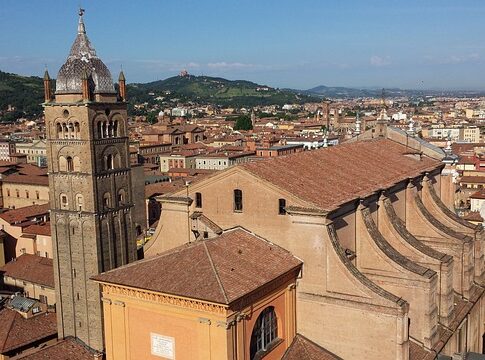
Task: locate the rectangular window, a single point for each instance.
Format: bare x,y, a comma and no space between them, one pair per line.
43,299
198,200
281,207
238,200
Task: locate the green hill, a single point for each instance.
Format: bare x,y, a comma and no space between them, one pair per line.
24,93
219,91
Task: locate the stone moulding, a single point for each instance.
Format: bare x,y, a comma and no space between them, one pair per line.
401,229
389,251
437,224
400,302
109,289
447,211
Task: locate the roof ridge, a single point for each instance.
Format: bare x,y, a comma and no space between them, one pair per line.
215,272
9,329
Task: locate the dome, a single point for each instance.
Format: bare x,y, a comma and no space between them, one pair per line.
82,61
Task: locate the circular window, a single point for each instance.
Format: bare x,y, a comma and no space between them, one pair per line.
65,113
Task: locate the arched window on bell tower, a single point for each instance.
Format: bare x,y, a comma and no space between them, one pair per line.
69,164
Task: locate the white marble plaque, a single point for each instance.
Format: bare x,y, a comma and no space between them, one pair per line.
163,346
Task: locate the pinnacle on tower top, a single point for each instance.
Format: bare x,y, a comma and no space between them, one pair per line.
81,29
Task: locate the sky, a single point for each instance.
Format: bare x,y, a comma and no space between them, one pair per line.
411,44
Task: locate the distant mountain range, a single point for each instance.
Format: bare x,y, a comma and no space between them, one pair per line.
348,93
25,93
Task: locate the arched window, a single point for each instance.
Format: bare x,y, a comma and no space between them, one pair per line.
77,131
107,200
79,202
37,195
64,202
69,164
17,192
121,197
109,162
59,130
76,164
198,200
27,194
265,331
281,207
65,131
100,131
238,200
115,128
109,129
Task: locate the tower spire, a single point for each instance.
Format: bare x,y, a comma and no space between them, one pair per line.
81,29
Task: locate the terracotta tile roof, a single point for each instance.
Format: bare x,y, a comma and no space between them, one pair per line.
42,180
473,216
163,187
67,349
32,268
303,349
15,216
332,176
17,331
38,229
473,179
219,270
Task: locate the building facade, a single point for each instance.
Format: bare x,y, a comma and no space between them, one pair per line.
382,252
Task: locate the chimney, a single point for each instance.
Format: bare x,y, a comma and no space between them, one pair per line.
122,85
47,87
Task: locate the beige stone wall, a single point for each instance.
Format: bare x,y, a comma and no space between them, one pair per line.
20,195
91,211
306,236
196,329
31,290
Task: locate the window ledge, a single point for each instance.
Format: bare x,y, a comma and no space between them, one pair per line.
238,211
262,353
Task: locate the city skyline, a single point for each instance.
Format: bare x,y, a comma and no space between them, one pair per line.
410,45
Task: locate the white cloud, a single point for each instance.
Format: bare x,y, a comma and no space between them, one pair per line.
380,60
222,65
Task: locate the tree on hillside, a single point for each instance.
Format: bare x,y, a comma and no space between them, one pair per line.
243,122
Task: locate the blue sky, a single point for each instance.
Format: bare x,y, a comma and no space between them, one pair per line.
300,43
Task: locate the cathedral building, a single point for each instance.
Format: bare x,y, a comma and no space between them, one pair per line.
390,271
90,186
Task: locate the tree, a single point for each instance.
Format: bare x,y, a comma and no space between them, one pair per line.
152,117
243,122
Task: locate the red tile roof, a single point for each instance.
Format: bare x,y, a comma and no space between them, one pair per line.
303,349
24,213
163,187
17,331
332,176
219,270
473,179
41,180
32,268
38,229
67,349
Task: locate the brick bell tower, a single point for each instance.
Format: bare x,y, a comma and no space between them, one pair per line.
90,186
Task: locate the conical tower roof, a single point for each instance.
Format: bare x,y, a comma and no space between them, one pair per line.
83,59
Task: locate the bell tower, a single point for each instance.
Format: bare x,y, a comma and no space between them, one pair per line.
90,187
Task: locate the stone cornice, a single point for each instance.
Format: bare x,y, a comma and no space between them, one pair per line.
145,295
